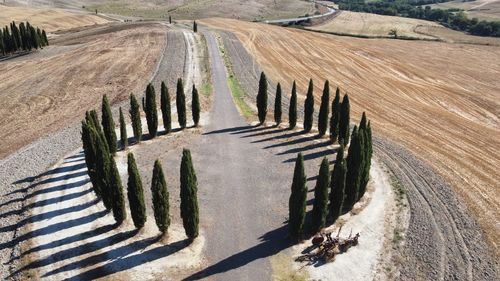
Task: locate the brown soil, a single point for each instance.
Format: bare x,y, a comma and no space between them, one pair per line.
438,100
45,91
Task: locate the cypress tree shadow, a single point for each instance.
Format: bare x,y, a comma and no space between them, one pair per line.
229,130
291,142
275,131
252,129
314,155
304,148
272,243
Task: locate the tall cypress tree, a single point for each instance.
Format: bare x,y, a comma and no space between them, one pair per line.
195,106
195,26
292,111
123,131
103,166
108,125
181,104
337,186
323,109
297,201
354,166
150,110
135,116
262,98
366,154
160,198
277,105
344,121
89,142
189,199
334,120
165,108
117,198
320,207
135,193
309,108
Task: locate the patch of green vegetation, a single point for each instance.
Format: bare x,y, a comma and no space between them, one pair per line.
206,89
238,95
283,269
400,192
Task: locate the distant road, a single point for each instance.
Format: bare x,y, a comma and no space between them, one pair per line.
331,11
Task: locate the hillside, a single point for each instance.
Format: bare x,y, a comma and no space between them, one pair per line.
439,100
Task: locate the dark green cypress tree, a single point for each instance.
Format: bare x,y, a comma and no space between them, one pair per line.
151,111
323,109
309,108
159,192
277,105
195,106
181,104
165,108
103,165
89,142
123,131
297,201
108,125
262,98
292,111
195,26
189,199
344,121
117,198
366,153
337,186
170,19
353,176
320,207
135,193
45,39
135,117
334,120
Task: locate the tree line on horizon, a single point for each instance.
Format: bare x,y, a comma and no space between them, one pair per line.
25,37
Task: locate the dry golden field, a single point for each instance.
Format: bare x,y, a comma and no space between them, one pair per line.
481,9
373,25
439,100
46,91
48,19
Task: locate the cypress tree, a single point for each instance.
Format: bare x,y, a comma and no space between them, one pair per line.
160,198
262,98
45,39
116,188
309,108
277,105
297,201
181,104
108,125
323,109
195,26
170,19
135,193
123,131
150,110
366,153
320,207
354,166
337,186
89,142
189,199
195,106
334,120
103,165
165,108
292,111
344,121
135,117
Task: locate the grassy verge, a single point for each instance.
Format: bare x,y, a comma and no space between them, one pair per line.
283,269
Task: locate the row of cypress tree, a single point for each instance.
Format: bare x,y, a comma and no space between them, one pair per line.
338,123
334,194
25,37
107,184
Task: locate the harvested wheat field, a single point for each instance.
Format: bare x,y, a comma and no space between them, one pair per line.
365,24
439,100
482,9
48,19
71,76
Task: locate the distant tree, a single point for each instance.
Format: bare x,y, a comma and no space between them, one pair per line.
123,131
344,121
195,106
181,104
45,39
151,111
108,125
292,111
320,207
135,193
170,19
334,120
165,108
393,32
117,198
323,109
262,98
277,105
337,186
189,199
135,116
195,26
309,108
160,198
297,201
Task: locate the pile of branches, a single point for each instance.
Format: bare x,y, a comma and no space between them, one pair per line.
325,247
